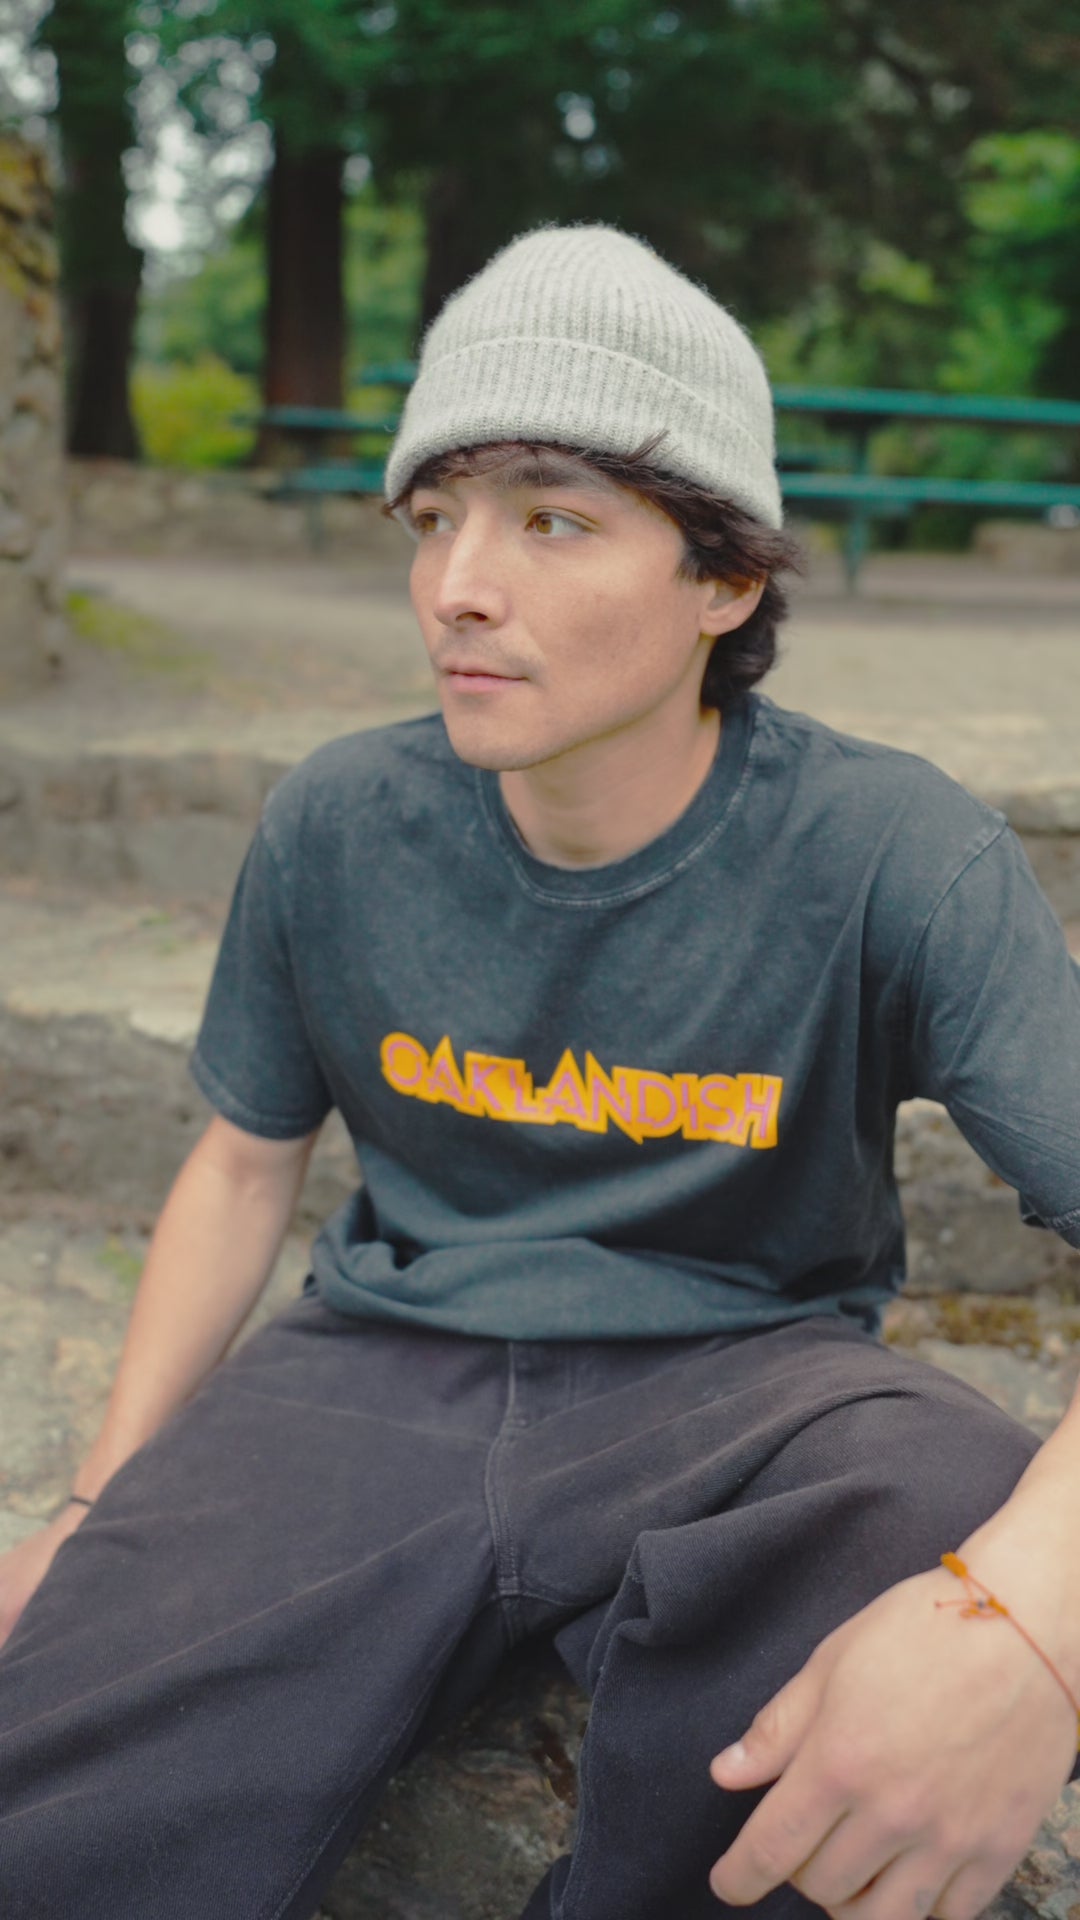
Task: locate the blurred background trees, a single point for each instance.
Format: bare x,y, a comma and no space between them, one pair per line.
102,268
885,194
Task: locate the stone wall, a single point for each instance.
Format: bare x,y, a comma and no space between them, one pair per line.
32,510
118,506
1028,546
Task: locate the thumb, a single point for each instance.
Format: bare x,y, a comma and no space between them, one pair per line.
774,1736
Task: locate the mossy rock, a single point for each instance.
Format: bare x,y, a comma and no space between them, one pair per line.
24,190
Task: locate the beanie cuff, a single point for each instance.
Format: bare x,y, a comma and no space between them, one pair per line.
578,394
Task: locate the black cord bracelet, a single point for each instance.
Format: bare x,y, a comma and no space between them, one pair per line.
78,1500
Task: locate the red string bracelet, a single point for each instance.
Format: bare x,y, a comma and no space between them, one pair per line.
982,1605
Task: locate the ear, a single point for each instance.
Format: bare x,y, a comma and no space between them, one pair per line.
730,604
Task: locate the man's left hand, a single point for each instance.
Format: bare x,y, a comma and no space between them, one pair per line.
914,1756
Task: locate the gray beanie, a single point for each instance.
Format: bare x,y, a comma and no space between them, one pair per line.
584,336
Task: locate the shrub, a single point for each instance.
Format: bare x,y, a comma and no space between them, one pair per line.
185,412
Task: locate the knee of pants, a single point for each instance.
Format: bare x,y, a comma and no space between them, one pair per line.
944,1457
911,1470
860,1496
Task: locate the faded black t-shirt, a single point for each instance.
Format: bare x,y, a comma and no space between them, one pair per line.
655,1097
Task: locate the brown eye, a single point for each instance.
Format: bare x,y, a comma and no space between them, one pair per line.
427,513
558,519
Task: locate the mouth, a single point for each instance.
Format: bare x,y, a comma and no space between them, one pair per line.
464,677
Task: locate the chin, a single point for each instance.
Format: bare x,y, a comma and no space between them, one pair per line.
479,747
492,757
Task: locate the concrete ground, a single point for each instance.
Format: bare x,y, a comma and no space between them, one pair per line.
195,681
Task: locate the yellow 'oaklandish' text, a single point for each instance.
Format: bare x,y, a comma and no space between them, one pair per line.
741,1109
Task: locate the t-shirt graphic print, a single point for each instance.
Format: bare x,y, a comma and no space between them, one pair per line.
742,1108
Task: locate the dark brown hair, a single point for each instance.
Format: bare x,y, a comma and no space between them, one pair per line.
720,542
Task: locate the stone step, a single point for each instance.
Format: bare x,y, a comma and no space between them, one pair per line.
189,689
467,1830
99,1006
168,811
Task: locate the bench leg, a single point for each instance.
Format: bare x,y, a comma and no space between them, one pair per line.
856,544
857,532
316,524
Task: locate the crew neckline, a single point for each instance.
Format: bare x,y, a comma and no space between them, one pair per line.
651,865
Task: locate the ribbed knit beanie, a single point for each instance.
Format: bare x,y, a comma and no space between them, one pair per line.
584,336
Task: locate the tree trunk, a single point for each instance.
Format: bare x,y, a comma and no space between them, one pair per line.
101,326
304,364
462,231
101,269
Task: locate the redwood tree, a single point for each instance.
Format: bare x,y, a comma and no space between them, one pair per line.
306,326
101,268
305,310
307,95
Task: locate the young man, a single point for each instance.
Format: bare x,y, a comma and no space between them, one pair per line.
617,973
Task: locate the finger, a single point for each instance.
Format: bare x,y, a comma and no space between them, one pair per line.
773,1737
780,1836
848,1860
970,1890
909,1888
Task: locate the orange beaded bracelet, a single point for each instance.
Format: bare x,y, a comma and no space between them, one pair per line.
982,1605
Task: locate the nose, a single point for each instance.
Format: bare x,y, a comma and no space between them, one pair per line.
470,585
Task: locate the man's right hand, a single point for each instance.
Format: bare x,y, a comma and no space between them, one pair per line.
23,1567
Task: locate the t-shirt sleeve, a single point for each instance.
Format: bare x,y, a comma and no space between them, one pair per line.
994,1030
253,1058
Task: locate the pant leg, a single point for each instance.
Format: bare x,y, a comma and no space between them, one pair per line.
228,1659
825,1469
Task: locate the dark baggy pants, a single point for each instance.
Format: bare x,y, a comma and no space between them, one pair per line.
332,1547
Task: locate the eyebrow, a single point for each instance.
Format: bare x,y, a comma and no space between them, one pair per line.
524,470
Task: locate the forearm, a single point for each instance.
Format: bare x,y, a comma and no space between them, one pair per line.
214,1248
1029,1551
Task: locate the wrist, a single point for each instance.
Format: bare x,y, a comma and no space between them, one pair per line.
68,1520
1032,1572
111,1450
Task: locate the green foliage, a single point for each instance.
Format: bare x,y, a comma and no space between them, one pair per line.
384,270
132,638
1018,327
185,412
195,329
1000,341
991,325
116,1257
998,319
216,310
877,323
887,271
1025,187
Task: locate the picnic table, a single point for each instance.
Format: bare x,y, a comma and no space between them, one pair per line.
810,478
858,413
318,432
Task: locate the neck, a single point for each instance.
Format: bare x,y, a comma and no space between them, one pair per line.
602,802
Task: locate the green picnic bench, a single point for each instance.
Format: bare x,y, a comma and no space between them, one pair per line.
859,495
809,476
314,430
